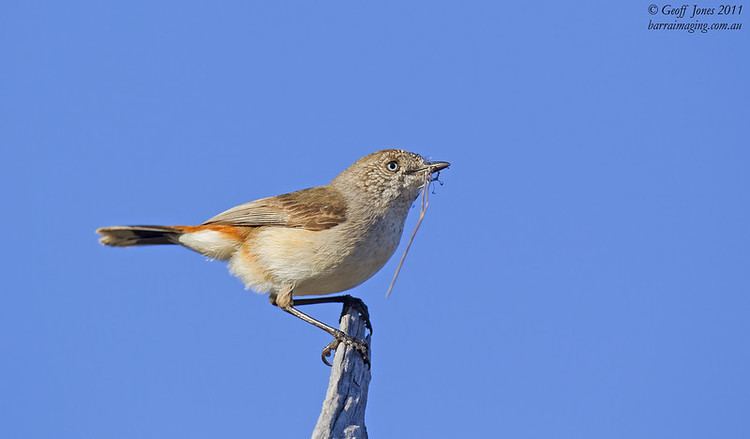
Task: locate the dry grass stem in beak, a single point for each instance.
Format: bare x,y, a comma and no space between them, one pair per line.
425,203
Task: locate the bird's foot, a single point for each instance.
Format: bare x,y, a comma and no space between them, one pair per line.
358,305
358,345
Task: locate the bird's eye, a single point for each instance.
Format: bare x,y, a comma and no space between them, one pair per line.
392,166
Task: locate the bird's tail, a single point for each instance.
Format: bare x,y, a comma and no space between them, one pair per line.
126,236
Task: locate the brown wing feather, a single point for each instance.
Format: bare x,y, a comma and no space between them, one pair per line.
316,208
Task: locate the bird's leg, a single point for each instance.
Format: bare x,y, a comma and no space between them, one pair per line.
338,335
349,302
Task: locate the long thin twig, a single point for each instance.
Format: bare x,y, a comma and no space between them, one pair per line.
425,203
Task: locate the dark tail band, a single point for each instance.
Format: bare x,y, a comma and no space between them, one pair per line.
126,236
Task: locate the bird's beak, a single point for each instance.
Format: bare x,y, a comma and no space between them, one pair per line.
437,166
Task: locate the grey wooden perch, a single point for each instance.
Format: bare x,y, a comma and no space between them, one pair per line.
343,413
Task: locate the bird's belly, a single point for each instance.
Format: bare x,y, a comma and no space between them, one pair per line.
341,279
352,267
327,261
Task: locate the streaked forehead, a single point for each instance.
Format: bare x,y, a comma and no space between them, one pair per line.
396,153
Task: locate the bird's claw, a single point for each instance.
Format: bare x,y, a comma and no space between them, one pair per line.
357,304
358,345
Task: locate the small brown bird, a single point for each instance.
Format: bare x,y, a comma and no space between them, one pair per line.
315,241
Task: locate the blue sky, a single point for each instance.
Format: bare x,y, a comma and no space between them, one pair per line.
583,272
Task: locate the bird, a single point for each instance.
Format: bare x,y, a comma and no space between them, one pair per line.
313,242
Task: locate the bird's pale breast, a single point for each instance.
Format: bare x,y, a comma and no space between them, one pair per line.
316,262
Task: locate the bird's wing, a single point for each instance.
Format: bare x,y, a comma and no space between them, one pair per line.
316,208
